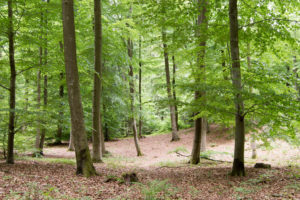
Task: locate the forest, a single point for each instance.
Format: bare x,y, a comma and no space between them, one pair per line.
149,99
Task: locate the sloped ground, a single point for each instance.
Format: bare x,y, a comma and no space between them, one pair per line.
158,150
162,174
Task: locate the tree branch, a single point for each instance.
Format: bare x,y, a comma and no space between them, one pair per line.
249,110
24,70
273,19
203,157
4,87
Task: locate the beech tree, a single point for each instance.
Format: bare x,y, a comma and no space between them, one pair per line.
97,124
199,77
83,158
12,87
238,168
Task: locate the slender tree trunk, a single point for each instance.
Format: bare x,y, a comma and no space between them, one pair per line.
97,154
174,91
83,159
200,132
38,129
195,157
42,141
225,76
140,88
297,86
45,92
238,168
131,87
60,120
12,88
106,130
61,113
175,136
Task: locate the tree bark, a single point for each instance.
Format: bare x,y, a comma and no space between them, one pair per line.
174,92
97,154
175,136
140,88
83,158
199,74
238,168
12,88
131,87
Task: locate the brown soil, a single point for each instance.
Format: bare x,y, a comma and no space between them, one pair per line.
209,180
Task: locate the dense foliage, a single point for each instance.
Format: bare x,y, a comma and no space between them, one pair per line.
270,63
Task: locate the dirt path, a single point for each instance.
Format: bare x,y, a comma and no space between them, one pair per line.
158,150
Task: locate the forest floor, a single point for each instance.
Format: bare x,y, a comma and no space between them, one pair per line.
162,173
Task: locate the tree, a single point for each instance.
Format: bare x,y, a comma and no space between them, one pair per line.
97,154
131,88
175,136
238,168
174,91
83,158
199,76
12,88
140,88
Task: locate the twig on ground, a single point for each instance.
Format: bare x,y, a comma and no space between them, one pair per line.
203,157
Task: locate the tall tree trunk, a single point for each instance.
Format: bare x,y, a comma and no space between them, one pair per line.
175,136
238,168
174,91
140,88
83,158
97,154
61,95
12,88
42,141
41,145
199,74
38,130
131,87
60,112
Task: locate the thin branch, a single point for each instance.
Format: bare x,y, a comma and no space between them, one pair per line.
4,87
24,70
273,19
251,109
203,157
19,21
